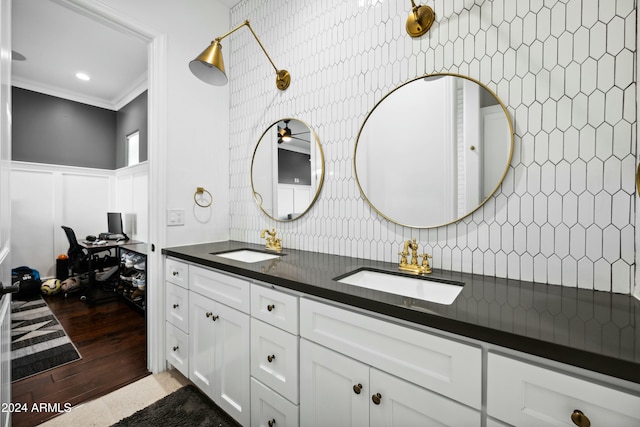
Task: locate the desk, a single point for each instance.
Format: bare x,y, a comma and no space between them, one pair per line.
92,289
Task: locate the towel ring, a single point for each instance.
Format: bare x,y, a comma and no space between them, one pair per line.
200,191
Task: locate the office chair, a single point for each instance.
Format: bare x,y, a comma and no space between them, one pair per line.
80,261
78,256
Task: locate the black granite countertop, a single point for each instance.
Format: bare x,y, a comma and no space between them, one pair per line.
598,331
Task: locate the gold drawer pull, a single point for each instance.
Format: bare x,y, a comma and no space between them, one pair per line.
175,273
580,419
176,348
357,388
176,305
271,422
271,307
271,358
376,398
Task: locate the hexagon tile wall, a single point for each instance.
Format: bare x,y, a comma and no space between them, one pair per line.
564,68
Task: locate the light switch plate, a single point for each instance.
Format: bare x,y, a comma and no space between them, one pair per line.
175,216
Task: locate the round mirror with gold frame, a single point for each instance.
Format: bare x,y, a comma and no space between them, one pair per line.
287,170
433,150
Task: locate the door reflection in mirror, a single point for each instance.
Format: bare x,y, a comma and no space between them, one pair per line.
433,150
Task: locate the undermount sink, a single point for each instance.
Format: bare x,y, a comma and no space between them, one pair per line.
417,287
247,255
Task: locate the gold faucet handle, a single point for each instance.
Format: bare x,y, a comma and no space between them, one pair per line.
425,259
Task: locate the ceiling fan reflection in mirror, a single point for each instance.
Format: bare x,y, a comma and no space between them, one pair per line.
285,134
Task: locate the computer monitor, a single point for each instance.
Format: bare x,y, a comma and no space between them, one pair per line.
115,222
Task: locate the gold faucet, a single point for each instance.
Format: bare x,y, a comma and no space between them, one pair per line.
413,266
273,244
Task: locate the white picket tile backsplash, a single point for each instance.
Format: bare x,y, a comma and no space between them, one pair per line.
565,213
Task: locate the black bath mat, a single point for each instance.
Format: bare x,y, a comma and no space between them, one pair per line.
186,407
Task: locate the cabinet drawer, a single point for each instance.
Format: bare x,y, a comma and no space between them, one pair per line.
274,307
176,272
274,358
228,290
445,366
268,406
177,306
523,394
177,348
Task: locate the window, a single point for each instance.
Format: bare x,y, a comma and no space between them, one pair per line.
133,148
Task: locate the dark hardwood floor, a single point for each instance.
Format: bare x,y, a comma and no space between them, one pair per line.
111,338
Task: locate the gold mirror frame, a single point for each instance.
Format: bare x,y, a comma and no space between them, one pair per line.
312,137
420,130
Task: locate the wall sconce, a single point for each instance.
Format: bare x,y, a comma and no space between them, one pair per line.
419,20
209,66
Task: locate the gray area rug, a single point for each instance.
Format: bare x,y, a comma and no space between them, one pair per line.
186,407
38,341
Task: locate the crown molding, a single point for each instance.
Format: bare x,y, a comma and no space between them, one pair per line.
127,95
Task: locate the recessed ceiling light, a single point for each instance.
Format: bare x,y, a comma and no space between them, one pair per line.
83,76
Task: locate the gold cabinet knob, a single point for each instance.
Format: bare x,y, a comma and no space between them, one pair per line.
175,273
175,348
176,305
208,314
271,307
271,422
376,398
271,358
580,419
357,388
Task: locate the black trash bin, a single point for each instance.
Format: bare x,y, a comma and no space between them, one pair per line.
62,268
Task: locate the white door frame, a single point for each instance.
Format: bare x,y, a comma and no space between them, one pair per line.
5,209
157,111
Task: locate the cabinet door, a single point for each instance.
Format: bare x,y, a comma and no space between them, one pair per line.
202,354
232,354
399,403
335,389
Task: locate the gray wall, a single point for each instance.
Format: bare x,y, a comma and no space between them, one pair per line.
130,118
52,130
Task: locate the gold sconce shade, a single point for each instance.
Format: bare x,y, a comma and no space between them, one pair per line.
209,65
420,20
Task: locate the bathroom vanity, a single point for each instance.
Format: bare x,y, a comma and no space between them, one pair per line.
276,339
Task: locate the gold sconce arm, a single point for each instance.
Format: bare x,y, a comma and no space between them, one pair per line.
209,65
420,20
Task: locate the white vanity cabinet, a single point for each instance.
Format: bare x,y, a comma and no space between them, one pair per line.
219,339
524,394
359,370
177,315
274,358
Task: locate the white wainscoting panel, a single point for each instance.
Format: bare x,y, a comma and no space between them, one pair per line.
45,197
32,211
